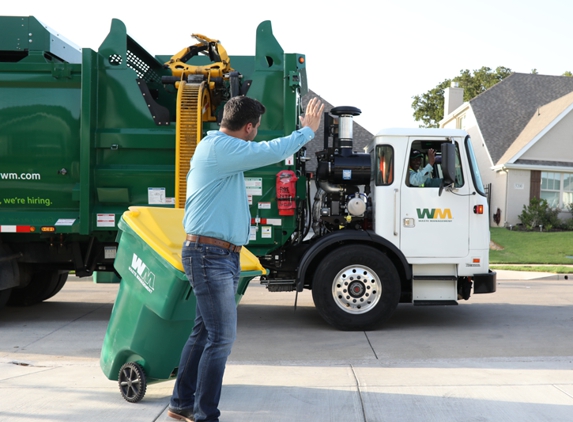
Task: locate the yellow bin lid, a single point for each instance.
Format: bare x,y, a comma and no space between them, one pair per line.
162,229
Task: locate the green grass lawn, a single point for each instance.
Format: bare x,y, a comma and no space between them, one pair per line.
529,248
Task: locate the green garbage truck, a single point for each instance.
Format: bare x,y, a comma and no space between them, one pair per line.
84,135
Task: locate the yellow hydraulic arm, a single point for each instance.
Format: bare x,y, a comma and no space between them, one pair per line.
217,54
196,102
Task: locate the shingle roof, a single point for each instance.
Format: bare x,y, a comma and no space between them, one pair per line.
504,110
360,135
544,163
542,118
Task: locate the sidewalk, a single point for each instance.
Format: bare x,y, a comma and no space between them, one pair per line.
530,275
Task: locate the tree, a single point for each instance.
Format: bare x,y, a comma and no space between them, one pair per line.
429,107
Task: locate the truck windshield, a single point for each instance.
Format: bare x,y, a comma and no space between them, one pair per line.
474,167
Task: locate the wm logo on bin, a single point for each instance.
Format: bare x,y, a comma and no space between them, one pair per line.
142,273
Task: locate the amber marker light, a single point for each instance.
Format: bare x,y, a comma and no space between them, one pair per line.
478,209
48,229
301,60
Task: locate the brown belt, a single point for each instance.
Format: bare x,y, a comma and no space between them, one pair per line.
213,241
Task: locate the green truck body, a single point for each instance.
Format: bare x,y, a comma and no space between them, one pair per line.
86,134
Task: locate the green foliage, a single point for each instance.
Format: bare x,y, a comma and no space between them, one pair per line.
567,73
568,224
429,106
481,80
539,213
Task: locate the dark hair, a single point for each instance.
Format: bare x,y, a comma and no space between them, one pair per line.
240,111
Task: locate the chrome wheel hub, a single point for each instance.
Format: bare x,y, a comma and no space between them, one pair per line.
356,289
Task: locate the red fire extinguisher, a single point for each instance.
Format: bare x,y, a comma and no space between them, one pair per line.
286,192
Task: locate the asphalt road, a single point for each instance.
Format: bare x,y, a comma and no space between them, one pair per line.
507,356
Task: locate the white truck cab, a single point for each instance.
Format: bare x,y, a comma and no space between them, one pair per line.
406,222
441,227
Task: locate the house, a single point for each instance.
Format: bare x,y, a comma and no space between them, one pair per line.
522,134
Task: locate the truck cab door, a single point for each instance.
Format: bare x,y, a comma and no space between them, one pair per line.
434,225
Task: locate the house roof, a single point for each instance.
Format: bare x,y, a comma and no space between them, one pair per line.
544,118
504,110
361,136
545,163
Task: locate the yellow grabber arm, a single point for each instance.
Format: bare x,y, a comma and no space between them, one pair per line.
197,101
217,54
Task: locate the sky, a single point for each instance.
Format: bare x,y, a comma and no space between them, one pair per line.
375,58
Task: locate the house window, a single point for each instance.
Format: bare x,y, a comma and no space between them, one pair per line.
557,189
461,122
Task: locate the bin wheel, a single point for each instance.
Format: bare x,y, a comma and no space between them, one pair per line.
132,382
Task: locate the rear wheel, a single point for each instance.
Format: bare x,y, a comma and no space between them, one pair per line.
43,285
4,296
9,273
356,287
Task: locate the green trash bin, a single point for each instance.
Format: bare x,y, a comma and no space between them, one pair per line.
154,310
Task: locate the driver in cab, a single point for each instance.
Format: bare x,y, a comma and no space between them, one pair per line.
422,177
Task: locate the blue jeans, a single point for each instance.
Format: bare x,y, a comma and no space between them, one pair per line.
214,276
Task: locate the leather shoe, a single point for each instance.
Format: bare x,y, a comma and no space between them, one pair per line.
181,415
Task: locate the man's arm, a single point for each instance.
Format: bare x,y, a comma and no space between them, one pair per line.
243,156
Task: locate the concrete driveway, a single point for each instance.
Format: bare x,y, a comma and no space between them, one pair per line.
501,357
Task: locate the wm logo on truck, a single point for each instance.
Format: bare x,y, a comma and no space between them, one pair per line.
434,214
142,273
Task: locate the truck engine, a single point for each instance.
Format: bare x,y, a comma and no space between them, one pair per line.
343,177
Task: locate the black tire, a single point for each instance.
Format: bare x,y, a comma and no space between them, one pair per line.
43,285
9,274
132,382
356,287
62,278
4,296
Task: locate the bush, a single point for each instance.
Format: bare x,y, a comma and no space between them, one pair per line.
568,224
539,213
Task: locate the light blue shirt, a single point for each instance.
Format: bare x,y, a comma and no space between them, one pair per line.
418,178
217,204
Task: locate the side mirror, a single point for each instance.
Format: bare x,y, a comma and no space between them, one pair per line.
448,165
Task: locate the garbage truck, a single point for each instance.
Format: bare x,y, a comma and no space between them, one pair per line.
87,134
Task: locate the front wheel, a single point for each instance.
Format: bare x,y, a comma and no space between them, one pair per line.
356,287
